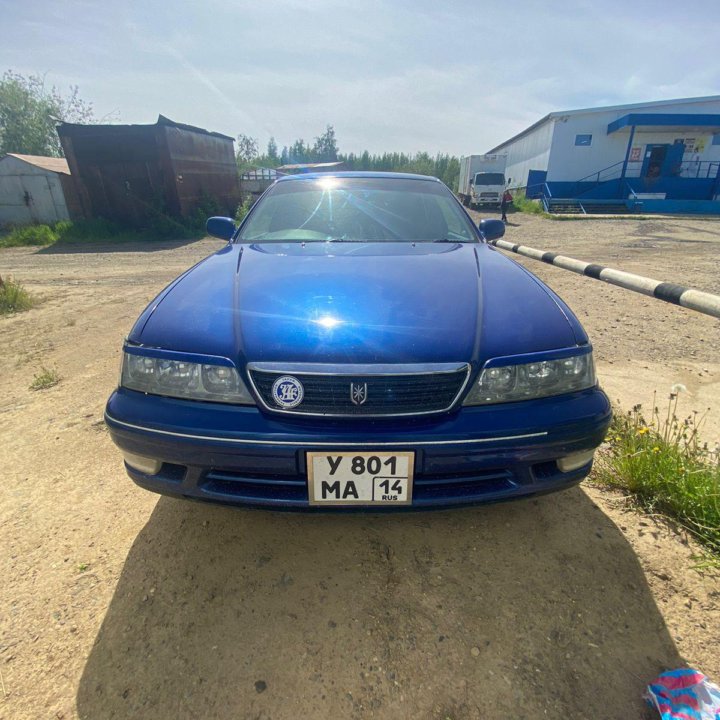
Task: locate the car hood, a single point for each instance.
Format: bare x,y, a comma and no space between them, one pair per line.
358,303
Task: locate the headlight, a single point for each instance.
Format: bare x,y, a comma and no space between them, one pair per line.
181,379
510,383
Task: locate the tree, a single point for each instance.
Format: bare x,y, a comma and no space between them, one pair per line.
325,148
421,163
298,152
30,112
247,149
272,150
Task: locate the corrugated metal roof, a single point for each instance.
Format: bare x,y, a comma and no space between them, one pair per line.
162,120
72,128
56,165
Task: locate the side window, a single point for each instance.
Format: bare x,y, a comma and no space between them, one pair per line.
583,140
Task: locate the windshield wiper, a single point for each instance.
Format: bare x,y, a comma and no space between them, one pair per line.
449,240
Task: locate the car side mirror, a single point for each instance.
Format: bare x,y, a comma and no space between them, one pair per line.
491,229
220,227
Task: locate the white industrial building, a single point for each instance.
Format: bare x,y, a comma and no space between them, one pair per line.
35,189
636,154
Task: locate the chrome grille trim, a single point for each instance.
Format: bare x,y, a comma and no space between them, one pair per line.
356,370
368,444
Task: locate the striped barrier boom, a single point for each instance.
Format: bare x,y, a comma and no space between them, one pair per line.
703,302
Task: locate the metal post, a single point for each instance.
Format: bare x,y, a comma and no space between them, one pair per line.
716,185
627,153
669,292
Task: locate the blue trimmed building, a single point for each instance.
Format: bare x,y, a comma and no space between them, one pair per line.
656,157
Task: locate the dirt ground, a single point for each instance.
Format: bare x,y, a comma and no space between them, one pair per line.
118,604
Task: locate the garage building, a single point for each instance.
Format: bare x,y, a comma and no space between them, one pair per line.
36,189
659,156
131,173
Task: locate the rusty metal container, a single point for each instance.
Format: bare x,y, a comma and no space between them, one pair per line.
133,173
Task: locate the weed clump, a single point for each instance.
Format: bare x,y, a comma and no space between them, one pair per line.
33,235
663,464
525,205
45,379
14,297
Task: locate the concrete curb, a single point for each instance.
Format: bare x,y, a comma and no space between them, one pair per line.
703,302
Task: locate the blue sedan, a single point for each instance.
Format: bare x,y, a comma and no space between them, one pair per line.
357,344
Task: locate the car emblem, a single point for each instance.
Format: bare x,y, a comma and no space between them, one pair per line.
358,393
287,391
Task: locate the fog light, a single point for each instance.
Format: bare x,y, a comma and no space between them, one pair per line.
575,461
149,466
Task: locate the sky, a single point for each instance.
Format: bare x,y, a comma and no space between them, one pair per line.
450,76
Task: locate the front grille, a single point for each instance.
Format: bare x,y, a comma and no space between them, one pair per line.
379,394
488,195
274,490
254,487
440,480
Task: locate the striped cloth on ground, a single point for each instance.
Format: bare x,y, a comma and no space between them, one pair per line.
684,694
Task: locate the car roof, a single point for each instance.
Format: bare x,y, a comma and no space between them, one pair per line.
358,174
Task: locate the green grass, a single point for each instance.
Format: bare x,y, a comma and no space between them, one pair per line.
534,207
14,297
600,218
662,463
161,227
28,235
45,379
531,207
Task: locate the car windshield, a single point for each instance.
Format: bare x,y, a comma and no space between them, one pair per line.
489,179
343,209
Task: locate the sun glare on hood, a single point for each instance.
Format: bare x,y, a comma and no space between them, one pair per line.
327,183
328,322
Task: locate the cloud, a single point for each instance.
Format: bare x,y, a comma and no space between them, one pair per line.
455,77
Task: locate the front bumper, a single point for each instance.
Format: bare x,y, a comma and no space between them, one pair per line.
241,456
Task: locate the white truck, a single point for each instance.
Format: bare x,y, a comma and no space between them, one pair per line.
482,180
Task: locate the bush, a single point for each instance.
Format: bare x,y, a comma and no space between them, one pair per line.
532,207
164,227
29,235
46,378
208,207
666,468
63,231
160,225
244,208
87,230
14,298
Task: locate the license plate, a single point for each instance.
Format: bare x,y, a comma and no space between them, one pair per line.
360,478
